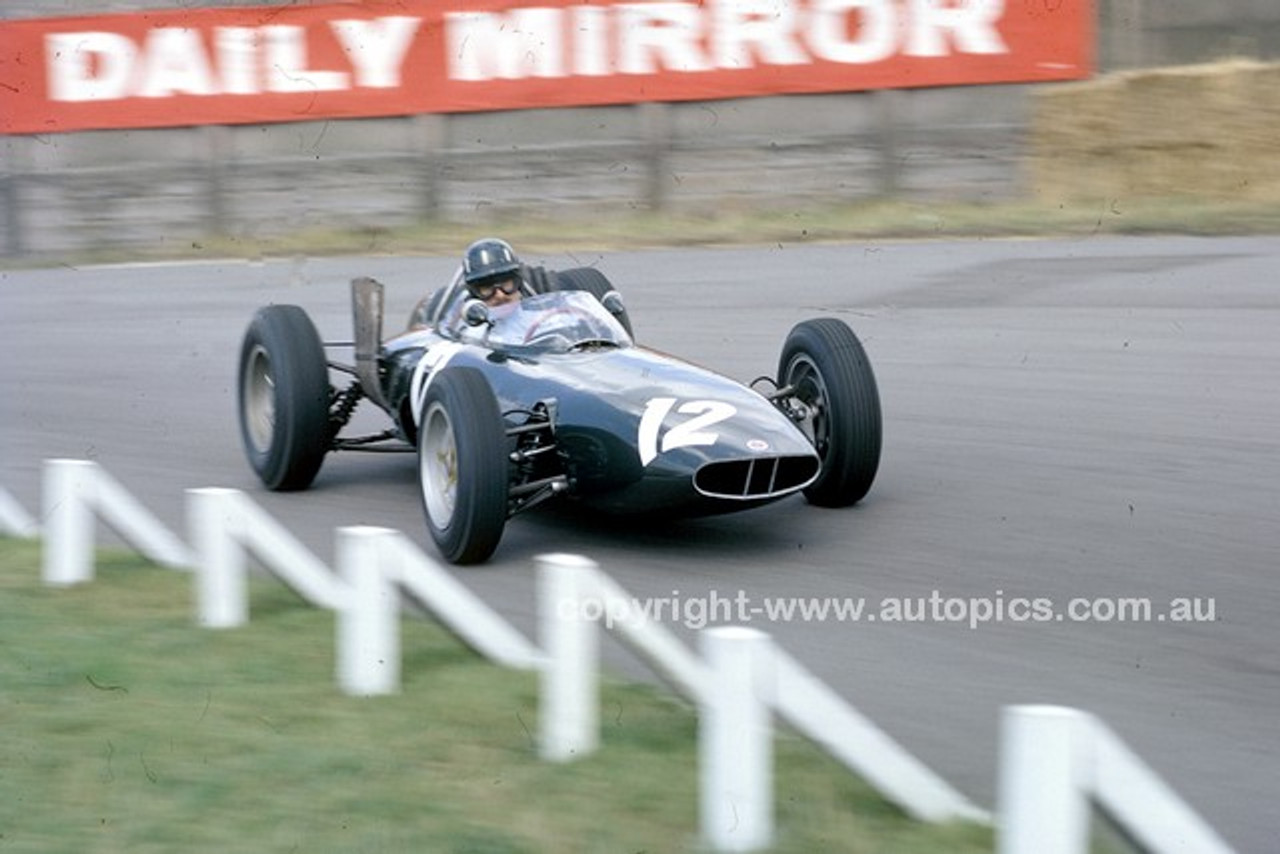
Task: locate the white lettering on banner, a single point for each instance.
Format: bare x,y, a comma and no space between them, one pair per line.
591,56
377,48
765,25
237,49
877,31
90,66
660,35
286,61
103,66
491,45
645,38
175,61
971,24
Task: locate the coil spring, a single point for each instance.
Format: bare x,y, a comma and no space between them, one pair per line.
342,405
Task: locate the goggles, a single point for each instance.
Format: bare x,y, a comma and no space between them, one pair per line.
486,290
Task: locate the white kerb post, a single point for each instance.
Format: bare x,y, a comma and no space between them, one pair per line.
215,520
368,622
1043,801
67,494
569,694
735,741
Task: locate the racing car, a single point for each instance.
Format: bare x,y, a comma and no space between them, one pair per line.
555,400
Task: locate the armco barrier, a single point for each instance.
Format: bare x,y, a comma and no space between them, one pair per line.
1055,762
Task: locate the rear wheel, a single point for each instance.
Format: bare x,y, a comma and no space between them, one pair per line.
828,371
462,465
283,393
594,282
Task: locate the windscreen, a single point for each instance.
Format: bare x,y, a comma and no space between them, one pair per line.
557,322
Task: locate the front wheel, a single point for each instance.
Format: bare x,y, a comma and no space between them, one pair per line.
462,465
829,375
283,393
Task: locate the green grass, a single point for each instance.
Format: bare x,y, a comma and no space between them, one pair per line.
128,728
781,224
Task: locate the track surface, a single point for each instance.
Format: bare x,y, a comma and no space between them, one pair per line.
1075,418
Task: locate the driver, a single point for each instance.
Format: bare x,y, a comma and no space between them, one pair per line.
491,272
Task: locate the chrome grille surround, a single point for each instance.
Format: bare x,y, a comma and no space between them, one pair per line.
754,478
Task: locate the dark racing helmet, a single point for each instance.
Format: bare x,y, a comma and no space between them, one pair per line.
487,260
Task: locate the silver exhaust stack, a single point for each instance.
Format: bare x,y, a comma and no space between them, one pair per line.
367,300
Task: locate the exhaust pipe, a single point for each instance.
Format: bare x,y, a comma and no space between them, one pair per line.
367,300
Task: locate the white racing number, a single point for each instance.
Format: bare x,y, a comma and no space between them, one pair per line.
705,413
431,362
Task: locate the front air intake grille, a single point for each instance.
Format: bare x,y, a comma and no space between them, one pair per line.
756,477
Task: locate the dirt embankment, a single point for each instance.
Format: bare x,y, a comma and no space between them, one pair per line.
1206,131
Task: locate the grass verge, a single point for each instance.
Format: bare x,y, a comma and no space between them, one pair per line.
128,728
786,225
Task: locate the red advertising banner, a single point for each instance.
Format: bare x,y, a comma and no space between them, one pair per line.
386,58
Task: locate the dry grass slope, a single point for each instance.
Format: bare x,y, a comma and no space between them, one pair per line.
1205,131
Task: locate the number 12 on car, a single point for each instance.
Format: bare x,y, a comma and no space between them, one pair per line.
704,414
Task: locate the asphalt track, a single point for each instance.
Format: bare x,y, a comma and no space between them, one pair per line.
1091,418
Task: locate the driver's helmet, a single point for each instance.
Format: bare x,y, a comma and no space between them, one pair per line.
487,261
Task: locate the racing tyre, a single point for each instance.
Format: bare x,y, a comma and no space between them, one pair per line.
823,361
462,465
594,282
283,392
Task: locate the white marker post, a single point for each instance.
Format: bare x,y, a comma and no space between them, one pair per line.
368,630
735,741
1043,805
67,497
569,694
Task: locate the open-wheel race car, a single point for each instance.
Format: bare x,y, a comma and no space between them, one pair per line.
551,398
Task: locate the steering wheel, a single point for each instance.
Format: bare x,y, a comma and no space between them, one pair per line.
532,332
